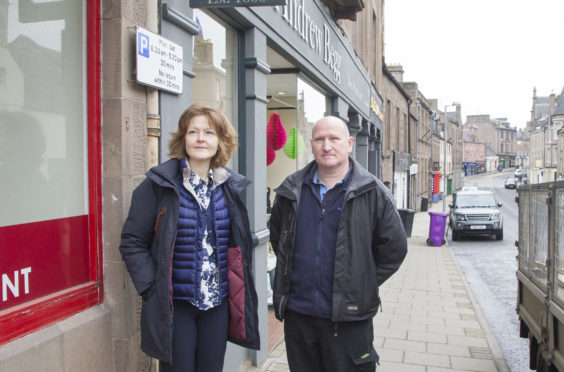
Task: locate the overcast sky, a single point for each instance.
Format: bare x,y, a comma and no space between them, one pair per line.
487,55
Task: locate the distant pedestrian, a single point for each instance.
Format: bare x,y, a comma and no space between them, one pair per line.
337,236
186,237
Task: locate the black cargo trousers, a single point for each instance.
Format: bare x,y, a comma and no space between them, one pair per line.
318,344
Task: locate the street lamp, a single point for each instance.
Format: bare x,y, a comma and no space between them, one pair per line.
454,104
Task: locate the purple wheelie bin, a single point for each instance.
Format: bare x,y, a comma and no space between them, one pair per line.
437,228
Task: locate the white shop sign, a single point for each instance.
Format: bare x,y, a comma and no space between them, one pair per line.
159,61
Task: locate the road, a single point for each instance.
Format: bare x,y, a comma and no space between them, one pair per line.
490,268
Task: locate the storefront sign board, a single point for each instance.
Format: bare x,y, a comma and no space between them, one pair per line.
402,161
313,36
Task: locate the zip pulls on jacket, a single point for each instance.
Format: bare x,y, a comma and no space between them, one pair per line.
158,221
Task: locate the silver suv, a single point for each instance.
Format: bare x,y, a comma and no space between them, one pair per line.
475,212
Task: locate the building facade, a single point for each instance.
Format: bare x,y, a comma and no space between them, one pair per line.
395,144
561,154
522,148
454,136
545,124
95,122
536,162
421,169
558,125
484,129
505,140
473,158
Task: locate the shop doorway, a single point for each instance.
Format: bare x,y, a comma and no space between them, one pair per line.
294,105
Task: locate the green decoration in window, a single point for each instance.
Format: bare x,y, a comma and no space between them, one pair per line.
295,144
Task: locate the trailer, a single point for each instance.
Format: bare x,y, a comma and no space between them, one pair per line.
540,273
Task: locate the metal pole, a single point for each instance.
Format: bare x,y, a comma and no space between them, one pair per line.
417,150
431,171
445,162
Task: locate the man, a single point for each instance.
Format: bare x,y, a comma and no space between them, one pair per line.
337,237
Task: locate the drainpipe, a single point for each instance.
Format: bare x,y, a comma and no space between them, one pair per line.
432,171
416,149
409,151
409,125
152,94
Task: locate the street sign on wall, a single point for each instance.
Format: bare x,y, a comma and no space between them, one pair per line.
159,61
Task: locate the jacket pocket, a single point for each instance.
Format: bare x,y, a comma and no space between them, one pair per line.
366,362
148,293
154,325
357,338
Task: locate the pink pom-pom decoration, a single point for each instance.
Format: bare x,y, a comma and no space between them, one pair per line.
270,156
275,134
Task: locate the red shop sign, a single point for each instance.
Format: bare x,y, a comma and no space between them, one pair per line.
40,258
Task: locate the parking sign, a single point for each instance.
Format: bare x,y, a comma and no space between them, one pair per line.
159,62
143,45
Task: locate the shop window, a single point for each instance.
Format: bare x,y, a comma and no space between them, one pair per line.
215,65
49,163
294,105
313,105
282,122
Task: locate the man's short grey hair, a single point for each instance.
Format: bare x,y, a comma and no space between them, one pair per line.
332,118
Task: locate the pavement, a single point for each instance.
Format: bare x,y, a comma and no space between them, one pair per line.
430,320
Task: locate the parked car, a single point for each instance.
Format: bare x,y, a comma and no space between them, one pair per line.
510,183
518,172
476,212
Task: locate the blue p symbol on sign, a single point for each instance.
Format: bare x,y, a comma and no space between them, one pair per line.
143,45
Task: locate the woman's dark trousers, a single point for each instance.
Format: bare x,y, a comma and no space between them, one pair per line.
199,338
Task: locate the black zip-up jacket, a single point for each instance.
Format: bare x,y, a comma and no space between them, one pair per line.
371,243
147,243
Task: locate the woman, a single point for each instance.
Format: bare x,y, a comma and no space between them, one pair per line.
187,246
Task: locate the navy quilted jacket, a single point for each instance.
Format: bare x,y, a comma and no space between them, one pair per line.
187,255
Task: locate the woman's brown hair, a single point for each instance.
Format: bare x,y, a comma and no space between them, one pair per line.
227,137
